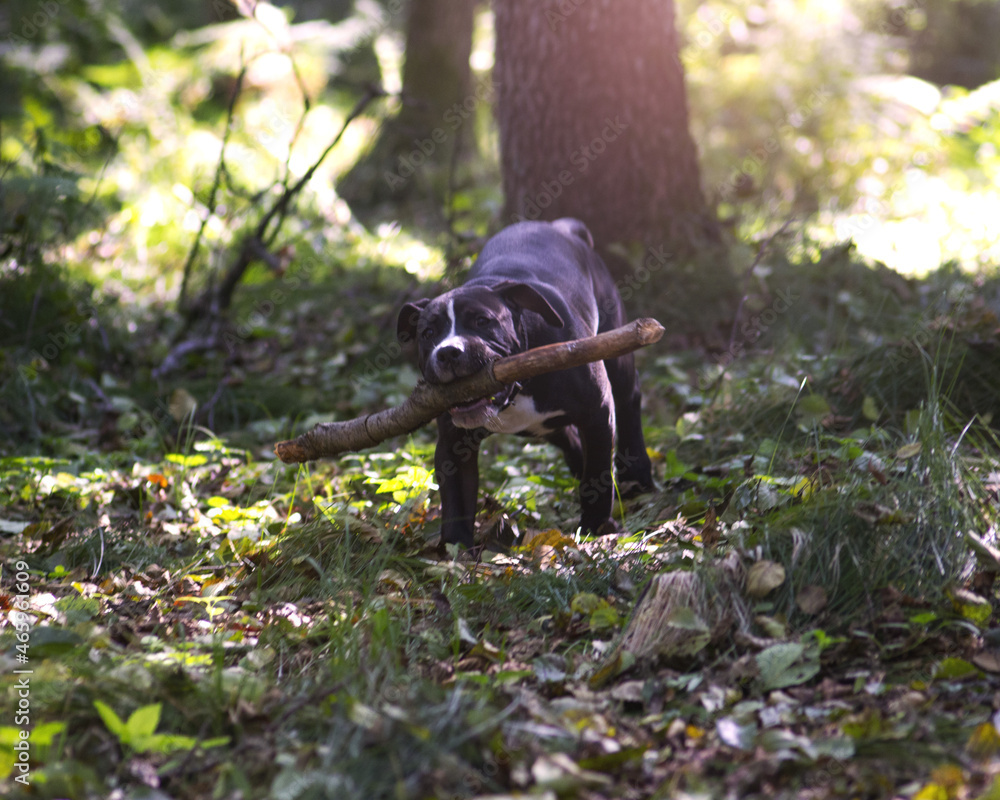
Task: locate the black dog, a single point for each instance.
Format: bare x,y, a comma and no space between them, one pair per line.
535,283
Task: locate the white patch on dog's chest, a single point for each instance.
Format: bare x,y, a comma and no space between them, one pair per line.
521,416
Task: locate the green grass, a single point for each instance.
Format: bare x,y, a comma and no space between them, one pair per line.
341,657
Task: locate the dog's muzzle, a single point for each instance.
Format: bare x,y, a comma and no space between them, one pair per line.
484,412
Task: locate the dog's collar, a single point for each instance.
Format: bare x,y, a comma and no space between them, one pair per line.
514,390
516,386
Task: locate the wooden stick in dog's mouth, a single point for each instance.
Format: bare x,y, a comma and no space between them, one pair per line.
426,402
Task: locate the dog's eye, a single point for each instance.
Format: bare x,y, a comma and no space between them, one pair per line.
483,322
427,334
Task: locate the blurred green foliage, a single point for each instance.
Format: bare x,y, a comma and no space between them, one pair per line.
808,110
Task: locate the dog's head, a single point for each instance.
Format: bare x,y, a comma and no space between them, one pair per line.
461,331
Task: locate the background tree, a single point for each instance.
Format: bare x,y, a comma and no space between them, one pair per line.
593,121
436,76
957,42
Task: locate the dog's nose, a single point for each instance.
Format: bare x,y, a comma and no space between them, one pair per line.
448,355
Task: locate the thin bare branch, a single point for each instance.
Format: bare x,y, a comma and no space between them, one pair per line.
219,172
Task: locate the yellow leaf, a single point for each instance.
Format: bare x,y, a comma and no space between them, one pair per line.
869,409
604,617
772,627
619,661
763,577
948,776
485,650
909,450
585,603
984,743
971,606
552,538
804,488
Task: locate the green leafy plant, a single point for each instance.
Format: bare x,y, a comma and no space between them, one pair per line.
138,733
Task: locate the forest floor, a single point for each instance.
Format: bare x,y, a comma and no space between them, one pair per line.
204,621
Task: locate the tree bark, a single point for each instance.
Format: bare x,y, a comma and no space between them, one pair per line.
427,402
436,74
957,43
423,136
593,121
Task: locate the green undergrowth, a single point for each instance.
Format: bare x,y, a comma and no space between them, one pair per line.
208,621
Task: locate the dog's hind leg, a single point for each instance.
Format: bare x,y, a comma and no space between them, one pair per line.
632,465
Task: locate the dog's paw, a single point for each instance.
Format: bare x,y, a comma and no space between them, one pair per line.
459,552
606,528
629,489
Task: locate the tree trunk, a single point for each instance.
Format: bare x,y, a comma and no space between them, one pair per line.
434,117
956,44
436,74
594,121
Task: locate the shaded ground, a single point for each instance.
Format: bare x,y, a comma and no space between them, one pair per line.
205,622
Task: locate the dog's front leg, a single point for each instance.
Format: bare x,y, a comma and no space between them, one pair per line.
456,469
597,484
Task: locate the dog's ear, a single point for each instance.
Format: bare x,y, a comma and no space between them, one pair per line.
528,297
406,323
